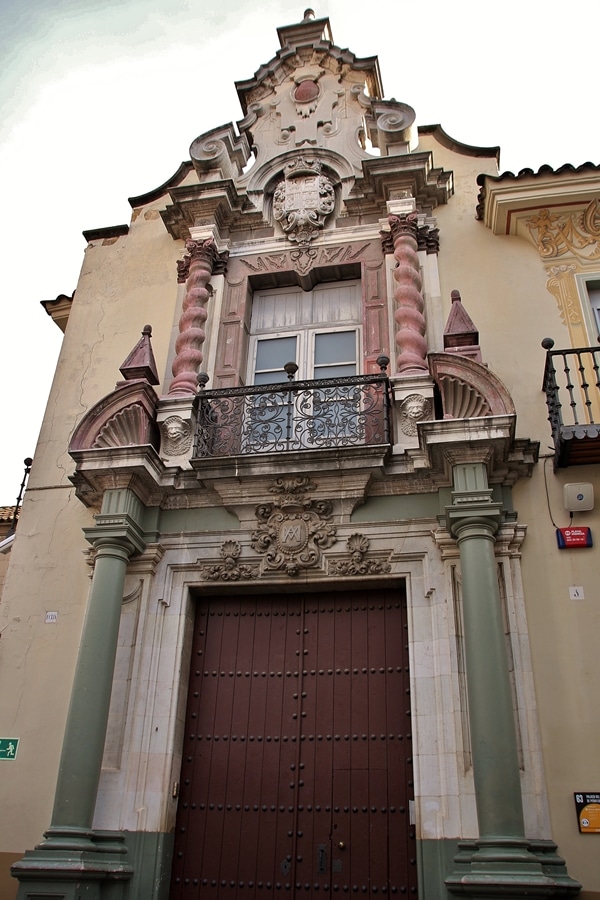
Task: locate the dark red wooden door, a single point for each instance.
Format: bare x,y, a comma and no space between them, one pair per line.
296,773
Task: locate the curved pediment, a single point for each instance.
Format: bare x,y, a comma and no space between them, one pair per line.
124,418
468,389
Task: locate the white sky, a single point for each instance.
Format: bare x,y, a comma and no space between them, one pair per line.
100,100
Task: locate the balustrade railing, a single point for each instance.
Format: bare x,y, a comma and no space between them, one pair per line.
295,415
571,384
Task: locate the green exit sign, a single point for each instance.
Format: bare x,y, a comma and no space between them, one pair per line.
8,748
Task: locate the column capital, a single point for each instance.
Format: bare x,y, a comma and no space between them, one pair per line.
478,519
116,532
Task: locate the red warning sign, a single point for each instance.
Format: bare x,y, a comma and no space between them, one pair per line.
573,537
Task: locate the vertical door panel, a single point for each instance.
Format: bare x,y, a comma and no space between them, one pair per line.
294,780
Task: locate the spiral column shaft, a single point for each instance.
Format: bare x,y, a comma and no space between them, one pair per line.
411,358
198,266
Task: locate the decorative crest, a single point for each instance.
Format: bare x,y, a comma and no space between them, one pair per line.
302,202
293,530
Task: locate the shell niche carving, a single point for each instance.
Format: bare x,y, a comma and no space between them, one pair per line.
126,428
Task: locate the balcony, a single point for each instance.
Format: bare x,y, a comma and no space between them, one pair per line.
320,415
571,384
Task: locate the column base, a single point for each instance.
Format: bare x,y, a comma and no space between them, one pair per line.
496,868
74,864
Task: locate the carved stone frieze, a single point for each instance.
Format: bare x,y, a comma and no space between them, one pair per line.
303,200
358,546
577,233
294,529
303,258
230,569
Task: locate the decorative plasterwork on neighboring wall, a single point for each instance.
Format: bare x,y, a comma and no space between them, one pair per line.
561,283
576,233
559,213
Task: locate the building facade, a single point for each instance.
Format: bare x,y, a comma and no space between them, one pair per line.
286,613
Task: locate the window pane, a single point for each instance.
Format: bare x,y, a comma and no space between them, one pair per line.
594,295
271,356
335,371
335,347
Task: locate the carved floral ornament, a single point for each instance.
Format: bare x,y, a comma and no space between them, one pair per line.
575,232
292,533
231,569
358,546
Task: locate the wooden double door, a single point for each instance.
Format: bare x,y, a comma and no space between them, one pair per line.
296,775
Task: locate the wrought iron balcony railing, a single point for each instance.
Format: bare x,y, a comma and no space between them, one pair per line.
296,415
572,388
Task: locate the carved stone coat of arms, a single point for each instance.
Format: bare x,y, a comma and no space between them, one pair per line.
303,200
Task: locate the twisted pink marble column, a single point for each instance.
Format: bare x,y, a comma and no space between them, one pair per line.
410,337
197,268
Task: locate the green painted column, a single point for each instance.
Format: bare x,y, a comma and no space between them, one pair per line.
502,862
491,716
83,745
72,852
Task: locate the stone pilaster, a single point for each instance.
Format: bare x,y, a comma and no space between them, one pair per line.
72,852
502,863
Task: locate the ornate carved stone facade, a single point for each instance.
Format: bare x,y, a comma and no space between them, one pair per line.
294,529
302,202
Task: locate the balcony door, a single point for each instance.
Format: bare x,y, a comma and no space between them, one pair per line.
318,330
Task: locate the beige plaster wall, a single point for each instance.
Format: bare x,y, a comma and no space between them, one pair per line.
564,643
502,281
503,288
124,284
48,573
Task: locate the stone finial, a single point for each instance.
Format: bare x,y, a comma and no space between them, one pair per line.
140,363
460,334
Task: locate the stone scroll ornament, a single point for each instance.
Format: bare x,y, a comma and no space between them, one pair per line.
409,316
195,269
293,530
303,200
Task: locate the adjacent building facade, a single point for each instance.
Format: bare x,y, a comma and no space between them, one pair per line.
286,613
